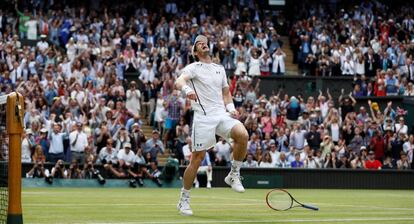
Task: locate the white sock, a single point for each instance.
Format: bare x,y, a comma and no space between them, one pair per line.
185,193
235,166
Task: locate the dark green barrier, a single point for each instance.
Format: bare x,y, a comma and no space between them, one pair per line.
263,181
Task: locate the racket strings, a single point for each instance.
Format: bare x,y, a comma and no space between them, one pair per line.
279,200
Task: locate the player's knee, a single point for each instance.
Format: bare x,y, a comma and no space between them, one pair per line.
241,135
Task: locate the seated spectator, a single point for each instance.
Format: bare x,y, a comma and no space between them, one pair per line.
74,172
371,163
59,171
187,149
310,162
403,163
38,170
205,168
250,162
357,162
297,163
343,162
108,155
282,161
267,161
389,163
222,151
154,174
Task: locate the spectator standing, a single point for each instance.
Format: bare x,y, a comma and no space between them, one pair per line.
133,99
78,142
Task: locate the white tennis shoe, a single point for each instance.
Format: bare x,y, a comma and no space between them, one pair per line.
184,206
234,180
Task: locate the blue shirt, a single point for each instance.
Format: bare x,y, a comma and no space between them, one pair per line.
296,164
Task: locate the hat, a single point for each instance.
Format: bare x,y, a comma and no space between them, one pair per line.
317,109
78,123
43,36
155,131
388,128
363,148
135,124
199,38
43,130
29,131
371,153
127,145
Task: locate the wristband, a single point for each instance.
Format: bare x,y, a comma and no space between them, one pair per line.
230,107
186,89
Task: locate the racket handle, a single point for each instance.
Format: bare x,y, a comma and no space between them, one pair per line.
311,207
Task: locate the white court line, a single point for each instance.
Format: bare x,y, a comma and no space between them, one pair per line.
265,221
130,204
362,206
215,205
328,204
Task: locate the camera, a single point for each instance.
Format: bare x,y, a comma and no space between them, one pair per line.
98,175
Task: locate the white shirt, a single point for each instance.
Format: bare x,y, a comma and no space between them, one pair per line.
108,156
26,151
129,157
209,80
81,141
186,152
79,96
275,157
266,165
42,45
147,75
402,130
222,150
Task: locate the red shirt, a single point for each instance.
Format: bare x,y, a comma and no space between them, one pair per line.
378,144
372,165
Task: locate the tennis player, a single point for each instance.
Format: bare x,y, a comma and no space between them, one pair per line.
205,84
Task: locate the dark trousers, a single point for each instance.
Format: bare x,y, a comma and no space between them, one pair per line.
53,158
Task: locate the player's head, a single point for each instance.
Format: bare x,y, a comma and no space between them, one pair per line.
200,47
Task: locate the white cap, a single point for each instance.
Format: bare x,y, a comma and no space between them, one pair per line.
199,38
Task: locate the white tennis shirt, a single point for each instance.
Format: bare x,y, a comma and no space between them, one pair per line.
208,81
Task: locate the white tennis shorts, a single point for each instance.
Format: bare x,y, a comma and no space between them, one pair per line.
206,127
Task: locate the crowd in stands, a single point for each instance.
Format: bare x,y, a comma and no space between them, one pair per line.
371,41
81,109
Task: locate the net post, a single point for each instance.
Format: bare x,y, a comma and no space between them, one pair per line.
14,123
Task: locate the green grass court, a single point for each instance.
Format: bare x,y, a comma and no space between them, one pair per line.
219,205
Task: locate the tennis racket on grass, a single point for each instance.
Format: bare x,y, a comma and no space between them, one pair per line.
281,200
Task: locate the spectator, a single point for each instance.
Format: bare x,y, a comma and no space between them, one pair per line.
267,161
297,163
74,171
107,155
371,163
78,142
310,162
222,150
250,162
206,168
282,161
403,163
56,138
133,102
27,145
59,171
154,145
